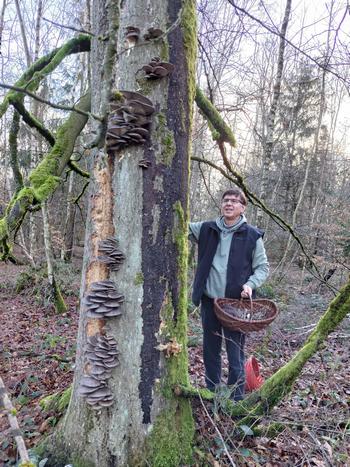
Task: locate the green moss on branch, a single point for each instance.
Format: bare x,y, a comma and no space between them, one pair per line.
44,179
223,132
13,137
74,166
42,67
281,383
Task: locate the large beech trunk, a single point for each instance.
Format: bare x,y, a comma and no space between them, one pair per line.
146,210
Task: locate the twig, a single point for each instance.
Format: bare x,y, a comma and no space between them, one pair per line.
72,28
279,34
218,432
16,432
51,104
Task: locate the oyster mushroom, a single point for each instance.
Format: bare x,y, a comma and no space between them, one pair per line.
110,254
153,33
128,121
103,300
157,69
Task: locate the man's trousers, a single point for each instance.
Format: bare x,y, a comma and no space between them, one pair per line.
213,333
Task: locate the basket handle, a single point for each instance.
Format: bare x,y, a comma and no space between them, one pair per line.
250,315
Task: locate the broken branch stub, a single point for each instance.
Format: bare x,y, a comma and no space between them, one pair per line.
103,300
110,254
128,121
144,163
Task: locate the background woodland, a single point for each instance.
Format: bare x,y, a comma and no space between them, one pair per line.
278,73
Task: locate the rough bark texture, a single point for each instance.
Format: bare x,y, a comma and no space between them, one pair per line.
146,210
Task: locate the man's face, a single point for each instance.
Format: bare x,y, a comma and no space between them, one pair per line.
231,207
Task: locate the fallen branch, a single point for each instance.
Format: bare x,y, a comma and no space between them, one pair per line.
15,430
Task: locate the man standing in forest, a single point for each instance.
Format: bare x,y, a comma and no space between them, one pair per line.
232,263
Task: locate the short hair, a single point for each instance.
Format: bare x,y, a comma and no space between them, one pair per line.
236,192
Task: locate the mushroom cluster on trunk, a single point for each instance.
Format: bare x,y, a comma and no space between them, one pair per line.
103,300
157,69
96,392
110,254
102,356
128,121
132,34
153,33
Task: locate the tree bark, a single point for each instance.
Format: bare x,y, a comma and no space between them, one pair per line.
146,210
58,300
68,239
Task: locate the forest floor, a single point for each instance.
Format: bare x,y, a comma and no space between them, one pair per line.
37,349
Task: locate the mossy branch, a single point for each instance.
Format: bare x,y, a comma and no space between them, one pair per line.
13,137
222,131
32,77
259,403
75,167
33,122
44,179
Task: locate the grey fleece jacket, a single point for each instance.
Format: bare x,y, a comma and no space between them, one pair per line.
216,282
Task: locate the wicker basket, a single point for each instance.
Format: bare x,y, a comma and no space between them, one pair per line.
245,315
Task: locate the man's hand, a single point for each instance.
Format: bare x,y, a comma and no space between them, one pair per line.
246,292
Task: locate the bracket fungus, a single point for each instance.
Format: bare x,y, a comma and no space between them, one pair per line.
102,353
153,33
103,300
96,392
110,254
157,69
128,121
132,34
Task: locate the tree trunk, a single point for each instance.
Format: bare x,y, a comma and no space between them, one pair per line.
146,210
268,144
57,298
67,248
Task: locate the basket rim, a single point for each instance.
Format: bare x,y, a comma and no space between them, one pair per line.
232,318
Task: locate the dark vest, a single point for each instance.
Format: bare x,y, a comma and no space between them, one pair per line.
239,265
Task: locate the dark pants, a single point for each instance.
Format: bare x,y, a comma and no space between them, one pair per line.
212,340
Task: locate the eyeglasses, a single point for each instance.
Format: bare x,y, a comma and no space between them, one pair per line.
232,201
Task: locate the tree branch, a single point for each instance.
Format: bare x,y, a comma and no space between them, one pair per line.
32,77
13,136
33,121
44,179
73,166
279,34
51,104
72,28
